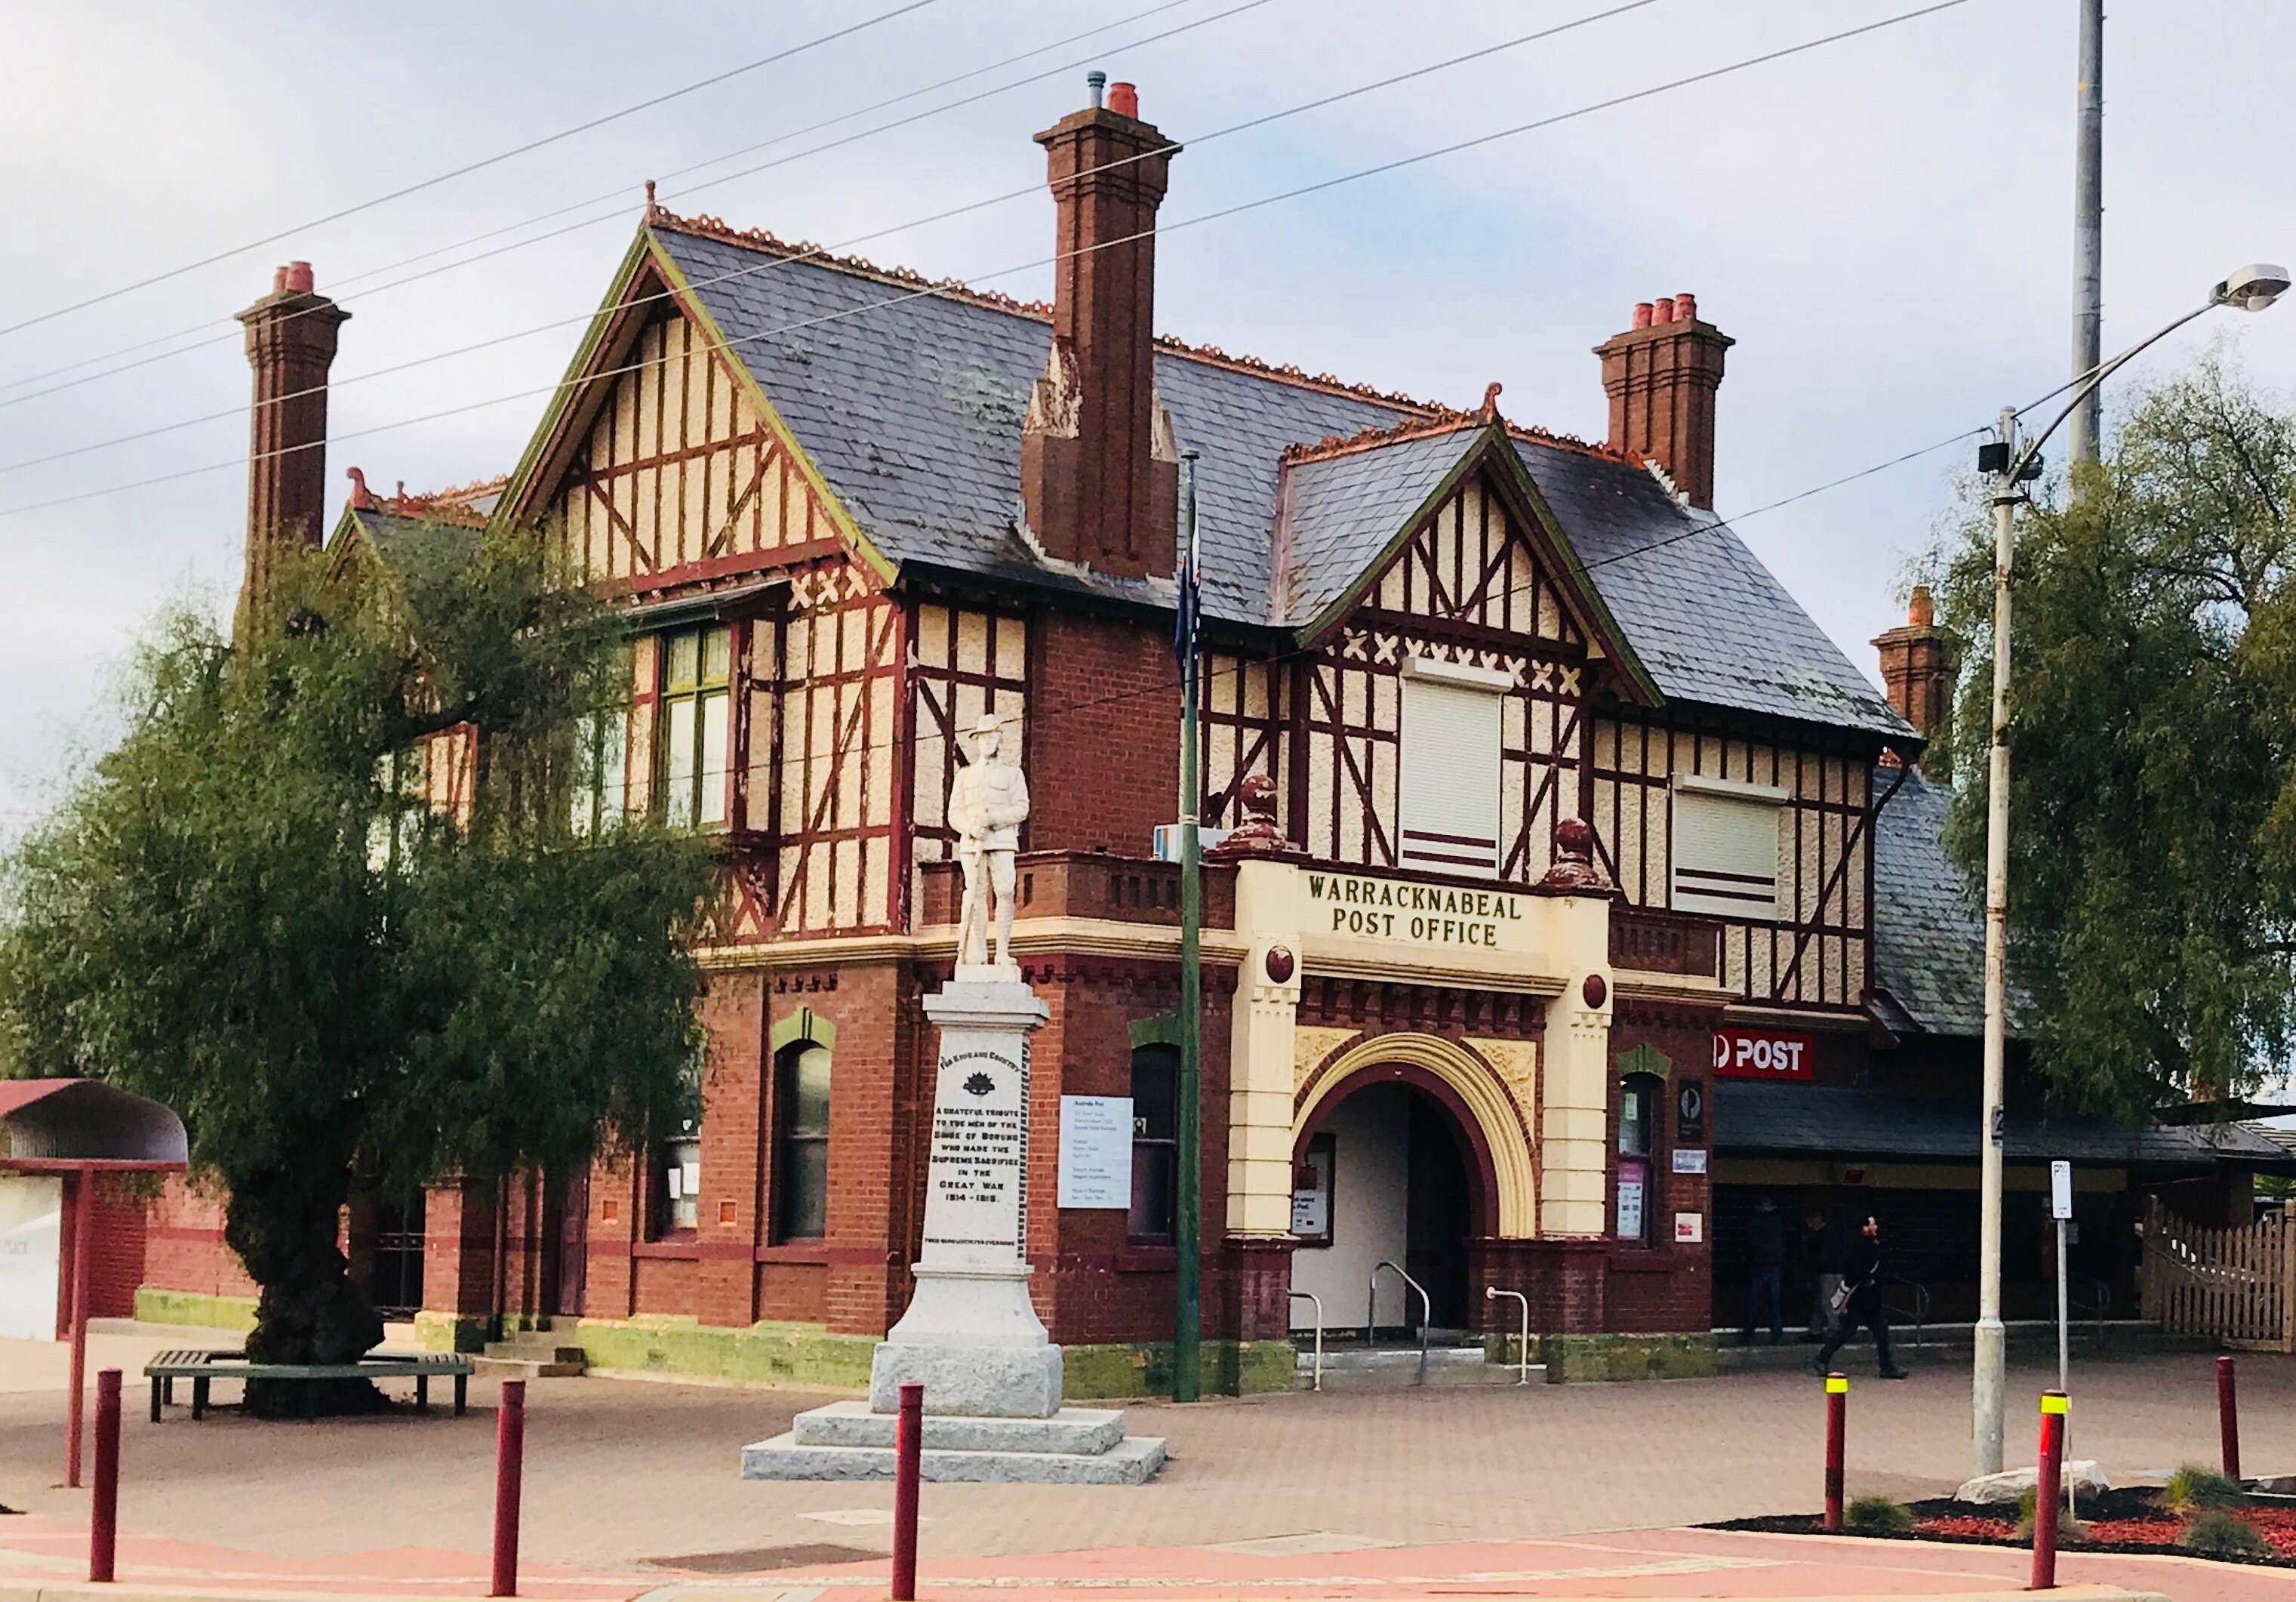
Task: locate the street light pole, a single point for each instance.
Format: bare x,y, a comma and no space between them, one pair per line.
1187,1223
2009,468
1991,1339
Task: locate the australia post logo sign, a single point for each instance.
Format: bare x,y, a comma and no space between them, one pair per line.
1763,1054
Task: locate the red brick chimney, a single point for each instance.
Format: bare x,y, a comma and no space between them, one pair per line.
1660,375
290,343
1099,471
1914,668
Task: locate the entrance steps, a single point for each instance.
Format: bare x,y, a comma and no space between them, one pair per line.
1352,1366
530,1355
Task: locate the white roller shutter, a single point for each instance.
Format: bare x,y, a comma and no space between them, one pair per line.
1726,853
1449,776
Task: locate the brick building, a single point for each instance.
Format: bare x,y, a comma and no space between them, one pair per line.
1446,1027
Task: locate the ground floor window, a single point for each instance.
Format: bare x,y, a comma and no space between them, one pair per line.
801,1142
1638,1140
1155,1142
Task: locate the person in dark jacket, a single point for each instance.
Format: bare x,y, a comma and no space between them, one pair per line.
1827,1244
1765,1257
1862,1279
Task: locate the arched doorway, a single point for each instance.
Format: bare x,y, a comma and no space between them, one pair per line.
1400,1179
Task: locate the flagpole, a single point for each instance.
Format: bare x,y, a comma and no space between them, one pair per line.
1187,1233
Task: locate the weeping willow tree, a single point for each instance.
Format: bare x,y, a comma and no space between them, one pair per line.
325,898
2153,854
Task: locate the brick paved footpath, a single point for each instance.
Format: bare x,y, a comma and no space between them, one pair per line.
631,1486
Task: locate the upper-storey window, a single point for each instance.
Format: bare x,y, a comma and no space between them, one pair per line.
696,725
1726,847
599,790
1449,773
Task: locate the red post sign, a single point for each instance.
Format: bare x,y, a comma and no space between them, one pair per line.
1763,1054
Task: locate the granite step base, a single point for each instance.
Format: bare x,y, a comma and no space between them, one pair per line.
1085,1430
1129,1462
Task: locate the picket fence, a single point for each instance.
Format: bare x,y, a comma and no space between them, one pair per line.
2236,1284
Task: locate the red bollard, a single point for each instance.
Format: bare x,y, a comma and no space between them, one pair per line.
2229,1418
2049,1490
908,1454
103,1508
1837,1418
510,1464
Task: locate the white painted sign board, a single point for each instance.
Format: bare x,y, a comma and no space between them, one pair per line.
1095,1151
31,1238
2061,1189
1689,1160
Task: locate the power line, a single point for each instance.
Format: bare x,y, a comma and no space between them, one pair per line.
1029,191
1711,74
470,167
617,195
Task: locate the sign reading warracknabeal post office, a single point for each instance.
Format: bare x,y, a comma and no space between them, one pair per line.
1394,911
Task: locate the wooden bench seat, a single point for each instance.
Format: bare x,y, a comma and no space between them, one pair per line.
202,1368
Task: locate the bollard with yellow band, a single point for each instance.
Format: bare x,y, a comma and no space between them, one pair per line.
1837,1409
2048,1488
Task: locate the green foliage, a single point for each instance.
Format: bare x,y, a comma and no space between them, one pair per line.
1878,1515
246,909
2154,739
2193,1486
2217,1534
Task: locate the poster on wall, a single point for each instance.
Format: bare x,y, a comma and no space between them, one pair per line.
1095,1151
1776,1053
31,1235
1311,1193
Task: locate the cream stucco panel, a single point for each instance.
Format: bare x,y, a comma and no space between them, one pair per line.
1311,1044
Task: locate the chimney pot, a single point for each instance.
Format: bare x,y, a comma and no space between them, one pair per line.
1661,376
1099,474
1915,668
290,346
1097,82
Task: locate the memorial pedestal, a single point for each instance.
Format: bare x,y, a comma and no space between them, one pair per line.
971,1337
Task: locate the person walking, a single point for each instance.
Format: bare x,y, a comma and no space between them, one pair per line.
1861,1299
1765,1255
1828,1251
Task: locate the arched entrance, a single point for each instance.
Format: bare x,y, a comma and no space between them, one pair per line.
1390,1168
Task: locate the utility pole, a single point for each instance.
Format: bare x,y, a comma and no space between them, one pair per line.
1187,1225
1988,1379
2088,233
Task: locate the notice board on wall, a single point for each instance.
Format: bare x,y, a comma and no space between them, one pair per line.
1095,1151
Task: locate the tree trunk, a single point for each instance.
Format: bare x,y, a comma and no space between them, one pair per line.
283,1222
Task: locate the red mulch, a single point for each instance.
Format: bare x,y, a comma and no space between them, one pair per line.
2277,1526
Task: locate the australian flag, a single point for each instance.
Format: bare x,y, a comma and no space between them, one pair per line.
1185,621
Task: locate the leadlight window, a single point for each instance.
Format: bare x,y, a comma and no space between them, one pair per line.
801,1144
696,725
1155,1143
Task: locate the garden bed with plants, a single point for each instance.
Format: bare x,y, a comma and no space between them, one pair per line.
2199,1513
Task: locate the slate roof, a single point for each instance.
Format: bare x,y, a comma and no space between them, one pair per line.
911,403
1840,1121
1339,511
1928,923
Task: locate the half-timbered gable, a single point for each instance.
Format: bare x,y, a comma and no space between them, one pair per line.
963,662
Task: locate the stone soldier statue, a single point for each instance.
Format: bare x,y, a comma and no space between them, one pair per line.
987,807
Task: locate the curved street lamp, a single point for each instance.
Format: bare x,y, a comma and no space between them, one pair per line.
2251,289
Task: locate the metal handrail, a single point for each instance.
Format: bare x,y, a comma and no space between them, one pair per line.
1920,1311
1318,1300
1426,1311
1491,1293
2101,1307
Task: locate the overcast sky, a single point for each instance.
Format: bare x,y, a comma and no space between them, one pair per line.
1882,225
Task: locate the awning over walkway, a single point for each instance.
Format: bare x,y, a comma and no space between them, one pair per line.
1804,1121
68,1122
